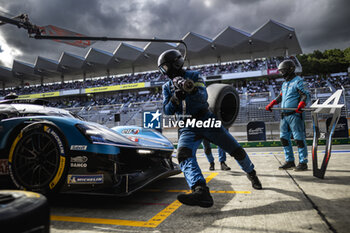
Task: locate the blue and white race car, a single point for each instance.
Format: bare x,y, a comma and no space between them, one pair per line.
49,150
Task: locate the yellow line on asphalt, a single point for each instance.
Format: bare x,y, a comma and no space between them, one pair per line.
153,222
185,191
232,192
211,176
164,214
100,221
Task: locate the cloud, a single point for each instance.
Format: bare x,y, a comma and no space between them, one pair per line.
319,24
7,53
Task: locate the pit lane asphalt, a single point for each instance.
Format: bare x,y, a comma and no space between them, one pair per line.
289,202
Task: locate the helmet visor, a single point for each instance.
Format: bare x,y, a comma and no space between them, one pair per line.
163,68
284,71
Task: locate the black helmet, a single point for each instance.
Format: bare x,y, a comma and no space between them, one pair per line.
286,68
11,96
170,62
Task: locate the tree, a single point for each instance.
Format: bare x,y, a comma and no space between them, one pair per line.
347,55
330,61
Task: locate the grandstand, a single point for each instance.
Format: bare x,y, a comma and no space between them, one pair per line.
125,82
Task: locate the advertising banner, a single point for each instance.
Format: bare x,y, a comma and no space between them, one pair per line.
272,71
40,95
115,88
342,129
157,83
256,131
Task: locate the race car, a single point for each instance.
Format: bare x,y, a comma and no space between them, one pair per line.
49,150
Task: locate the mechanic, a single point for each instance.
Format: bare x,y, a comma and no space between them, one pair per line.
209,155
178,102
293,95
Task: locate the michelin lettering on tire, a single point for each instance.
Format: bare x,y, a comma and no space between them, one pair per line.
60,170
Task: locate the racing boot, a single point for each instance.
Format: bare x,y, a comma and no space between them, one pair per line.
287,165
254,179
212,166
301,167
224,167
200,196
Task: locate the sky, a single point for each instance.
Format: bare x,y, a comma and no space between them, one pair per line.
319,24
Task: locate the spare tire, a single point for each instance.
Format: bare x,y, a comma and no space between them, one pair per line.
22,211
224,102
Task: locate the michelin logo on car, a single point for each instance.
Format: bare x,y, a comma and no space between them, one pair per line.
85,179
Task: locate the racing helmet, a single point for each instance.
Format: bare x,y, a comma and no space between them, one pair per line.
286,68
11,96
170,62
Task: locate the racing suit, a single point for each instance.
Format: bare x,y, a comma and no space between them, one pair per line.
196,105
209,155
293,92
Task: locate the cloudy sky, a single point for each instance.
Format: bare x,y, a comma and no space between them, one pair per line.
319,24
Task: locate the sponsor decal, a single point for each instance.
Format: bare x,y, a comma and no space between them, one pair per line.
78,161
78,165
130,131
256,131
85,179
4,167
78,147
134,139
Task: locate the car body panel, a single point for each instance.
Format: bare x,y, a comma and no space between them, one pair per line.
115,161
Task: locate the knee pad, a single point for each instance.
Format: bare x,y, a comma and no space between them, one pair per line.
239,154
183,153
284,142
300,143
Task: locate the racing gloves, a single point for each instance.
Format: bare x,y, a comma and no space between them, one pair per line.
178,96
301,105
182,88
270,105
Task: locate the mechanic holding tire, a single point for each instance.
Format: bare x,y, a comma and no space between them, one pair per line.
177,101
293,95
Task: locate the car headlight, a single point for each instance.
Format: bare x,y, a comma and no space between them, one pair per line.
101,134
92,133
145,152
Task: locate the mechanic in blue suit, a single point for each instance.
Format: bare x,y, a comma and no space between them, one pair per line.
208,153
178,102
293,95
